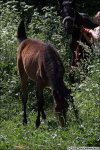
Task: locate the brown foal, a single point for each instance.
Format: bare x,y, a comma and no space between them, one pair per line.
41,62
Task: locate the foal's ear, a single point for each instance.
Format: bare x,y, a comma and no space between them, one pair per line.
74,2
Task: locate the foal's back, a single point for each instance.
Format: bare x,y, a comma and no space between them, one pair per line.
39,60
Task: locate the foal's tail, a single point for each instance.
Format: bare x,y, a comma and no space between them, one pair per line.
21,34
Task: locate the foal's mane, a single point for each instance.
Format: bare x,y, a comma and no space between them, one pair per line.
53,65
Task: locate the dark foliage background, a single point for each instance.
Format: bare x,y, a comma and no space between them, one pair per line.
86,6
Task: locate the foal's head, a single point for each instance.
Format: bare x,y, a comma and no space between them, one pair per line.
68,14
60,103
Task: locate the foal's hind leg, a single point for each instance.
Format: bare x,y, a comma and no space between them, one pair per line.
39,94
23,80
24,98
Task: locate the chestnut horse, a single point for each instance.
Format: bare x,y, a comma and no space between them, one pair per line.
41,62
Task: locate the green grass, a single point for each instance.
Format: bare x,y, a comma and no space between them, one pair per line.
13,135
85,133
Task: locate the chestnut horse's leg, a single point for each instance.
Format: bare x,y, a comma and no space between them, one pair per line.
39,95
